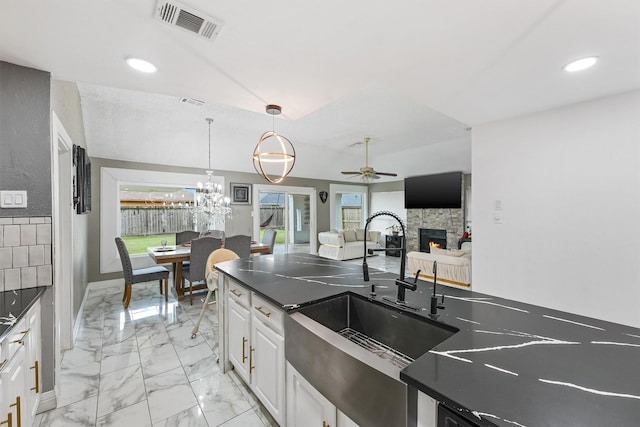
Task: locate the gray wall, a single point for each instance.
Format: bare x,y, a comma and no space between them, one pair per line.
25,141
25,164
241,223
65,102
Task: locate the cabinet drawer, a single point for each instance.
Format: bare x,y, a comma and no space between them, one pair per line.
239,293
14,341
267,312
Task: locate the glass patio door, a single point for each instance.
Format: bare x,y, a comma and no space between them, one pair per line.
290,211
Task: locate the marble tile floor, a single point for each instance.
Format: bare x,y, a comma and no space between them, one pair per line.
140,367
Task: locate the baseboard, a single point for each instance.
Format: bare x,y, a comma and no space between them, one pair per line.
47,401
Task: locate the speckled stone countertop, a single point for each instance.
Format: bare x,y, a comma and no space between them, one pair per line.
14,305
510,364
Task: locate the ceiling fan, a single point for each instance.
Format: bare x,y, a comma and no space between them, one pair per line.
367,172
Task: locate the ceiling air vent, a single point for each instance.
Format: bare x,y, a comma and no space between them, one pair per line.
192,101
181,16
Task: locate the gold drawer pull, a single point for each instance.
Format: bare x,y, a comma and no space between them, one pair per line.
244,356
17,405
37,368
4,362
236,293
266,313
8,421
24,334
325,424
251,367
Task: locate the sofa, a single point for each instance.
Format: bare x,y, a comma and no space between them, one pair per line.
347,244
454,266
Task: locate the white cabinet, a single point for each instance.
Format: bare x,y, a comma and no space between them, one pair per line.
20,371
256,346
306,406
239,335
267,368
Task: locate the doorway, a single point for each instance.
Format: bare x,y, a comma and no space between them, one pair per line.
63,216
291,212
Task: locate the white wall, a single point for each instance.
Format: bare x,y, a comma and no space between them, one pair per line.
392,201
569,183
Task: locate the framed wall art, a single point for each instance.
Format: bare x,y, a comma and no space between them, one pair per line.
240,194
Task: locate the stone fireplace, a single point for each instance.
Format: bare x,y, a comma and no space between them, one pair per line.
429,237
450,222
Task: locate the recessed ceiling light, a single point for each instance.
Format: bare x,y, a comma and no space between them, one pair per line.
141,65
581,64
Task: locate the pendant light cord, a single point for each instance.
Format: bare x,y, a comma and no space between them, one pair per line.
209,121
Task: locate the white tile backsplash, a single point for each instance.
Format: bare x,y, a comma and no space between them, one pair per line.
11,235
25,252
43,234
28,234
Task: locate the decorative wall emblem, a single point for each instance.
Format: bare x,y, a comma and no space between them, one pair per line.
323,196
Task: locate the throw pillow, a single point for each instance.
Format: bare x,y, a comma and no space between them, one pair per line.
438,251
454,252
349,236
359,234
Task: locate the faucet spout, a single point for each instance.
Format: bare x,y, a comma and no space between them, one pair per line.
402,284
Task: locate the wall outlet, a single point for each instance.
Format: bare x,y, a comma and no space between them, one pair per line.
13,199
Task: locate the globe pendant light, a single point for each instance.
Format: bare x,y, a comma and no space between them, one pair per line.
211,204
274,156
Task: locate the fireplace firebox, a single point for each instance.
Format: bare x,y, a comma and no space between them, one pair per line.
432,237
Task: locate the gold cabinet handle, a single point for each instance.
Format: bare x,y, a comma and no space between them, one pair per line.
8,421
325,424
266,313
244,356
37,371
251,367
17,405
4,362
236,293
24,334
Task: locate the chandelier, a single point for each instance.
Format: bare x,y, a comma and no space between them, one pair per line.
211,205
274,156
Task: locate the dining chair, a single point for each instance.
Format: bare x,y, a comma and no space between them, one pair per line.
269,238
213,233
201,248
239,244
140,275
219,255
186,236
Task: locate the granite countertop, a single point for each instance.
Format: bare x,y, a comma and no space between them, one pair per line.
14,305
510,364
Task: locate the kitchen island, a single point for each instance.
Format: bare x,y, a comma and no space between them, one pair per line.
509,364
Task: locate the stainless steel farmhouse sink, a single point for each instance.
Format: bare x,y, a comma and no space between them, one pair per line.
352,349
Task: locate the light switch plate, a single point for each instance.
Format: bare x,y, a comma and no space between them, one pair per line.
13,199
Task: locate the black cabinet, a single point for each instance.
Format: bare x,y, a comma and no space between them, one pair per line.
393,242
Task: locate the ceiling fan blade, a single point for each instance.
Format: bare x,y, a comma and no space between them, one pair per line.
350,173
387,173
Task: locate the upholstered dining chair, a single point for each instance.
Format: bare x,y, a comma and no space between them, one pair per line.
201,248
213,233
219,255
269,238
140,275
239,244
186,236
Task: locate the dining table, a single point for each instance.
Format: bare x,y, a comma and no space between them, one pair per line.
178,254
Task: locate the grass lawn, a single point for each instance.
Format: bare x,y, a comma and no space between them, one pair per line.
139,244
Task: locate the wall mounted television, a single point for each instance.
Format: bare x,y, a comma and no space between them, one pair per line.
440,191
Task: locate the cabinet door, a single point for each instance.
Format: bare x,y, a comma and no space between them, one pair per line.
12,379
32,362
239,335
267,367
305,405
